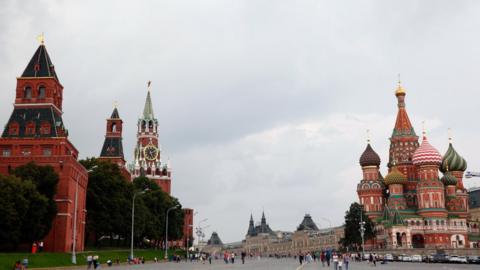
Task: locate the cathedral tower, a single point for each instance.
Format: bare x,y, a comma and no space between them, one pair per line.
147,160
370,189
35,132
403,144
454,164
112,149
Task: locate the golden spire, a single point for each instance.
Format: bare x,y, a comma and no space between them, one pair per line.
41,38
368,136
449,135
400,90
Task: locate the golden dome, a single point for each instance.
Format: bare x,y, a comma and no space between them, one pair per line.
400,90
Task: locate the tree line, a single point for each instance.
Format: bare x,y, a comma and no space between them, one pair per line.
27,207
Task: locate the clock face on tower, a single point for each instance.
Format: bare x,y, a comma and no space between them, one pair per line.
150,152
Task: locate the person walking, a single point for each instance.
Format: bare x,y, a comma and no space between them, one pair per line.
327,257
346,260
300,258
322,258
340,262
89,261
225,257
95,261
335,260
18,266
243,254
232,257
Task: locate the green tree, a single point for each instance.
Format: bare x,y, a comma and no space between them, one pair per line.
157,203
352,238
38,220
108,202
21,209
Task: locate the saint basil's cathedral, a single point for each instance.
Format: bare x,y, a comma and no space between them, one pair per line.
36,132
413,207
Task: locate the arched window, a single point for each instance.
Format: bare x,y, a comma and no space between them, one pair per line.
143,126
45,128
41,91
30,128
27,92
13,128
114,127
150,126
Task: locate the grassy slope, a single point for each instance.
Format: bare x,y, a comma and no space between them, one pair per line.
64,259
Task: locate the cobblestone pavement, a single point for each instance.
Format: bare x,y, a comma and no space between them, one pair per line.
395,266
287,264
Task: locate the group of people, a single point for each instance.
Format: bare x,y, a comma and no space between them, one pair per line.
338,260
92,261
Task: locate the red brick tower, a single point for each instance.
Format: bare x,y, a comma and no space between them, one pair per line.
147,152
187,225
35,132
370,189
403,144
112,149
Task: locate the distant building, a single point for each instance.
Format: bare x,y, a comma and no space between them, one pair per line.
263,241
214,240
474,217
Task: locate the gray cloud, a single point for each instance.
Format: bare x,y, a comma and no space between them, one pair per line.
261,104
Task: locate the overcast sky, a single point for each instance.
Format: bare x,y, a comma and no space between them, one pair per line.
261,104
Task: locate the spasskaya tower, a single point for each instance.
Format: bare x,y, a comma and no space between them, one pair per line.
147,160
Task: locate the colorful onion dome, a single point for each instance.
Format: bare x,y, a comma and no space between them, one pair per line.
452,161
448,179
369,157
395,177
426,154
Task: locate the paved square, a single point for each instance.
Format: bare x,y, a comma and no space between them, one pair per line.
288,264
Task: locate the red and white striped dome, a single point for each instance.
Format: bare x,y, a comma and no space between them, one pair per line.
426,154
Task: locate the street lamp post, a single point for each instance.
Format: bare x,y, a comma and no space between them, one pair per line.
166,230
362,233
74,242
133,218
188,240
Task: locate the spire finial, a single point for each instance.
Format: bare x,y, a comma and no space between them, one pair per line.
368,136
400,90
449,135
424,132
41,38
115,104
148,85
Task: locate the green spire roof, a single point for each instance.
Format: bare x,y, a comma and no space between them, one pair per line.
115,114
148,109
453,161
397,218
448,179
